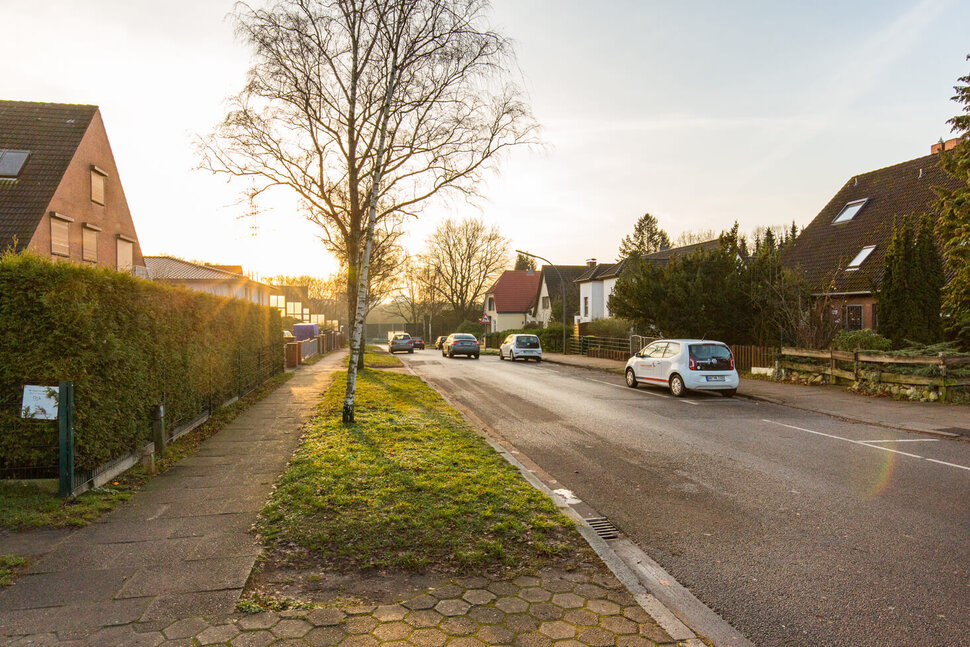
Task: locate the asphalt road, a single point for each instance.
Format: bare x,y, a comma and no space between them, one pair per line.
782,521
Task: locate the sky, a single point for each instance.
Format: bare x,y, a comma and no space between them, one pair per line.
701,113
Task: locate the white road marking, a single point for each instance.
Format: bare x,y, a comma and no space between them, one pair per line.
864,443
903,440
567,496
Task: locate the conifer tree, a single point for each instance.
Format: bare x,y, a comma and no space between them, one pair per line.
647,238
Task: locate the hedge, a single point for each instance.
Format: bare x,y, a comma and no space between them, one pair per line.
550,337
126,343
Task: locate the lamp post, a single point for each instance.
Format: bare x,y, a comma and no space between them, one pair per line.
562,284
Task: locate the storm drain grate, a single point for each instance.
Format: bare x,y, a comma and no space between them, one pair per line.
603,527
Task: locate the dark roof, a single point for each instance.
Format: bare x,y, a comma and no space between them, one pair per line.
601,271
664,255
823,250
52,133
162,268
554,286
515,290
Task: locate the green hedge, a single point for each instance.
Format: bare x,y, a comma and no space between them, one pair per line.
125,342
550,338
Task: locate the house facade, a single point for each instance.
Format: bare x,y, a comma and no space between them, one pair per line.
60,191
552,280
841,251
511,299
595,288
208,279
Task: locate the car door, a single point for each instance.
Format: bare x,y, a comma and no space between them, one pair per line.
667,362
647,364
506,345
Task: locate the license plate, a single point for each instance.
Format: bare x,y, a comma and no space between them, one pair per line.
715,378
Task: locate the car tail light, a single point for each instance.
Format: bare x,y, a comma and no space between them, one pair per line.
732,362
692,364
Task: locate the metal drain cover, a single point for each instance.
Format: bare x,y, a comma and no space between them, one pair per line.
603,527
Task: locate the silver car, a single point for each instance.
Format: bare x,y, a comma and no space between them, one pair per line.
399,342
520,346
684,365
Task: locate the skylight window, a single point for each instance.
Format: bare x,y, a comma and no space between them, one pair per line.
860,257
849,211
11,162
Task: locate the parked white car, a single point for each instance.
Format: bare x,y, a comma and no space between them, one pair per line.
521,347
684,365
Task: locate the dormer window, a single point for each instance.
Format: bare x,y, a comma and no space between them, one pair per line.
849,211
11,163
860,258
97,185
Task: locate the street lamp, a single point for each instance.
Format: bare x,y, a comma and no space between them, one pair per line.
562,284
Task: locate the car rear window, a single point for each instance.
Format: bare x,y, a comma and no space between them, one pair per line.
529,341
713,357
463,336
400,337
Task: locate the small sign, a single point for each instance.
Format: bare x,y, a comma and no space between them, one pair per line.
485,319
40,402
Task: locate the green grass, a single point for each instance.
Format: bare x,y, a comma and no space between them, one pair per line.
25,505
10,566
409,486
377,357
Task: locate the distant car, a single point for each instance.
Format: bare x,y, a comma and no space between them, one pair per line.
288,336
439,341
521,347
400,341
418,342
684,365
460,343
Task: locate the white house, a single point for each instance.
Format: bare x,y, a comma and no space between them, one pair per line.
595,288
511,299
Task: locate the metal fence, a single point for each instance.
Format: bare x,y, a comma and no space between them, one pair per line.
748,357
620,348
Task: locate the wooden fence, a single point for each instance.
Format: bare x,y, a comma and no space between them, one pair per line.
862,370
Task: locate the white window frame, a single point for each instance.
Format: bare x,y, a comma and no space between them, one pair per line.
860,258
850,211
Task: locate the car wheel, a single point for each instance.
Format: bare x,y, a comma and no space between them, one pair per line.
677,387
451,354
476,356
512,355
411,351
631,379
443,352
500,355
538,359
729,393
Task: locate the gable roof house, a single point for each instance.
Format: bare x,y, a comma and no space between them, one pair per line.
60,192
841,251
207,278
595,287
510,300
551,289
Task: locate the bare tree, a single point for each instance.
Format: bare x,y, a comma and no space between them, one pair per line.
466,257
407,299
694,237
366,109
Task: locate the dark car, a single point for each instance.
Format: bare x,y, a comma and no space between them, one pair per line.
460,343
418,342
440,341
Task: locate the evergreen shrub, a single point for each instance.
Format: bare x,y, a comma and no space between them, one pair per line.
126,343
852,340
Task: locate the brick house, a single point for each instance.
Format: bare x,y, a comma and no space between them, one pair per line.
60,192
841,251
510,300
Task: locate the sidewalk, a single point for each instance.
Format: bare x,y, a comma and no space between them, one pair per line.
927,417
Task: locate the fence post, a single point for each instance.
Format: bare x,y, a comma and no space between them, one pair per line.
944,392
855,365
831,367
158,429
65,433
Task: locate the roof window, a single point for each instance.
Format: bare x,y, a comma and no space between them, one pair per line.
11,162
849,211
860,258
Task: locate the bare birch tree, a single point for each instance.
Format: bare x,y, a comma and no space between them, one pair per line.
366,109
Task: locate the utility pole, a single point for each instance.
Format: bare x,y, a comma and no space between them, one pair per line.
562,284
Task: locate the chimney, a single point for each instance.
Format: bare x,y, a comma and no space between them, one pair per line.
590,262
947,145
937,147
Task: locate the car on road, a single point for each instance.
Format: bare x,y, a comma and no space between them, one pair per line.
400,341
520,346
439,341
460,343
684,365
418,342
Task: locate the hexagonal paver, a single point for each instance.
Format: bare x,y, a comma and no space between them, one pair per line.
557,585
390,612
568,643
294,613
397,643
503,587
576,576
472,582
512,605
326,617
545,611
521,623
452,607
581,618
621,597
421,602
260,638
568,600
618,625
360,624
595,637
636,614
466,641
460,626
393,631
219,634
423,618
534,594
359,641
557,629
495,635
263,620
527,580
532,639
603,607
291,628
360,609
428,638
487,615
654,632
634,641
478,596
325,636
607,581
590,591
185,628
449,591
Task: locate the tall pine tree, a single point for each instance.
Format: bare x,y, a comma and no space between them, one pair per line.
647,238
909,295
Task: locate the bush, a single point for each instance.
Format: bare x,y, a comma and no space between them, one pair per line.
550,337
607,328
126,343
851,340
471,327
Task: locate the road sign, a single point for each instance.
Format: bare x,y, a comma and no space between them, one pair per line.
485,319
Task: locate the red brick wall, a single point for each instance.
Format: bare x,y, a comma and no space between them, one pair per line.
73,199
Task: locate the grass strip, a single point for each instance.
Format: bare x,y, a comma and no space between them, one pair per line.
409,486
10,566
25,505
377,357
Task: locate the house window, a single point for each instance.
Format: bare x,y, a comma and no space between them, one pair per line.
853,317
545,303
125,252
491,304
89,242
11,162
849,211
585,306
97,185
60,235
860,258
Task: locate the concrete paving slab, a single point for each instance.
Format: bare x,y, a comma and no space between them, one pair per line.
65,587
194,576
183,605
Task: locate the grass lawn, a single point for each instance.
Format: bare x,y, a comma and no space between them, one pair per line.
377,357
409,486
24,505
9,566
